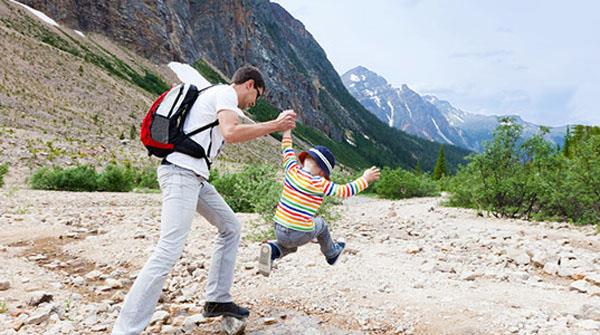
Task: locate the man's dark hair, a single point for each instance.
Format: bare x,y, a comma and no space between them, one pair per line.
247,72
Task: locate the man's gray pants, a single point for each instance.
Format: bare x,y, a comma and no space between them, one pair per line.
183,194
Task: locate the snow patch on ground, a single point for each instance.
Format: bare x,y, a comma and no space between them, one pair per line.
39,14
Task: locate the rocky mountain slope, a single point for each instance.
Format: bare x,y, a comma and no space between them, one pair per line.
427,116
222,35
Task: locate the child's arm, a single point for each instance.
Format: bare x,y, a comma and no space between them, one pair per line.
352,188
289,155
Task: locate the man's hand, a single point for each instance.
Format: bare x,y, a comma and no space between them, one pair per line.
286,120
371,174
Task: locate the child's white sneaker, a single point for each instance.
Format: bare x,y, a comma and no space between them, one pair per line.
265,260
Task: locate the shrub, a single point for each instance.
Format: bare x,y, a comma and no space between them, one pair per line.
116,179
532,178
252,188
146,178
3,172
80,178
400,184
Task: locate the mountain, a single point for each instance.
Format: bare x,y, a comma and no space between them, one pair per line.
401,108
219,36
427,116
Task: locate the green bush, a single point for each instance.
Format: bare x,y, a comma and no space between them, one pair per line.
116,179
146,178
3,172
81,179
400,184
531,179
246,191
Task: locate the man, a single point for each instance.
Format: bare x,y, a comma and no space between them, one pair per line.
185,189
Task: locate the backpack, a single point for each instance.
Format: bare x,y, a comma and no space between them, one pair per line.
162,127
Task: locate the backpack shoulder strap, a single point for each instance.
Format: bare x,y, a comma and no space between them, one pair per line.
203,128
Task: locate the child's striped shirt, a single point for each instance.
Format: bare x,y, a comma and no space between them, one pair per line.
303,193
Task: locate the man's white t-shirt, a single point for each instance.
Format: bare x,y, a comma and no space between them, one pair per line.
203,112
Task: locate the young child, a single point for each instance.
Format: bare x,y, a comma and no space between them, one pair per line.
305,186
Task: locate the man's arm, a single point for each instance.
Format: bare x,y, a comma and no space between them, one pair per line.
234,132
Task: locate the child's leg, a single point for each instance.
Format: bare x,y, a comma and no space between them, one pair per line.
288,240
328,247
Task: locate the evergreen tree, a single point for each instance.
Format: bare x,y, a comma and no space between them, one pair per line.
418,169
440,166
567,145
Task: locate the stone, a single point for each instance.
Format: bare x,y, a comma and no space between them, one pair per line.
551,268
168,329
468,275
40,315
159,317
269,321
233,326
593,278
521,259
38,297
78,281
93,275
590,325
191,322
413,249
113,283
4,284
590,312
579,286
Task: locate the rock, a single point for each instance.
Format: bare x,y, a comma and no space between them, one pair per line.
93,275
4,284
191,322
593,278
521,259
99,328
139,235
233,326
590,325
19,322
580,286
78,281
159,316
39,297
551,268
590,312
40,315
594,291
539,259
269,321
468,275
114,283
168,329
413,249
117,297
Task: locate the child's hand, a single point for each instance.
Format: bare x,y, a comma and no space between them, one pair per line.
371,174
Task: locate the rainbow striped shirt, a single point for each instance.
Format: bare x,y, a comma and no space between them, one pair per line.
303,193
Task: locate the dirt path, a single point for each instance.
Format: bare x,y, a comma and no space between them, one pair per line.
412,267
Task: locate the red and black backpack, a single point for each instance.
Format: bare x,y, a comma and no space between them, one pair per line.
162,127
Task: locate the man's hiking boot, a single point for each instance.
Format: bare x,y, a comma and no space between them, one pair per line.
268,252
212,309
340,246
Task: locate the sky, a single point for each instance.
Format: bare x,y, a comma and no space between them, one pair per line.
537,59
